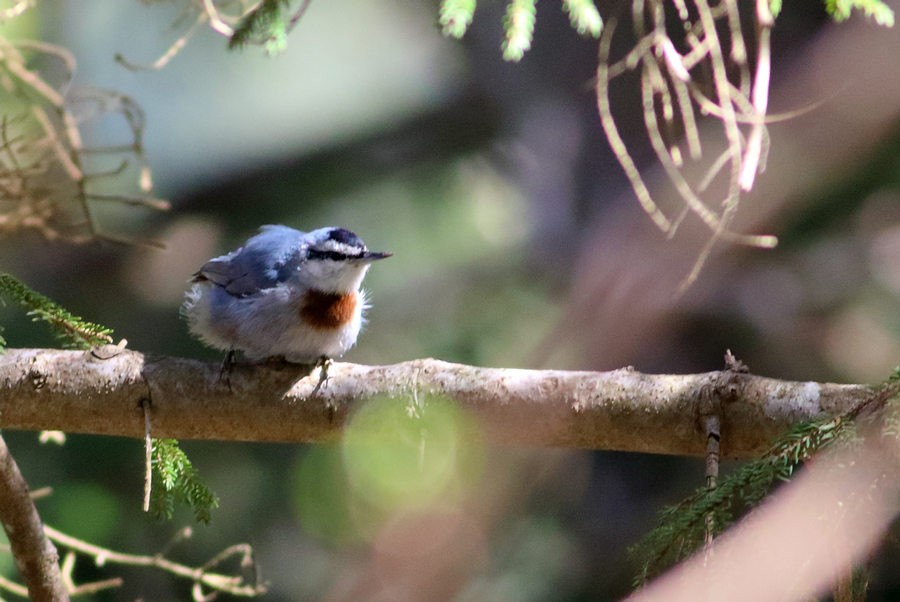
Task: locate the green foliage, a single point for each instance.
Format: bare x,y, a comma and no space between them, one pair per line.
264,25
71,330
584,16
456,15
874,9
519,26
682,529
175,479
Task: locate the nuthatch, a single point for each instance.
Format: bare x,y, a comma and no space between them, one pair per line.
285,293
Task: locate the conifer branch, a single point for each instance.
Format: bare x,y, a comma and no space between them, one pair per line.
177,480
72,330
519,26
683,528
267,24
456,16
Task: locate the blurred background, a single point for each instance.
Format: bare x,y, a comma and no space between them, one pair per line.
517,242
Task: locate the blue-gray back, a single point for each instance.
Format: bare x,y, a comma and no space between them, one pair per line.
264,261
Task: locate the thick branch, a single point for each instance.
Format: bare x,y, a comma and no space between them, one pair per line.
78,392
36,558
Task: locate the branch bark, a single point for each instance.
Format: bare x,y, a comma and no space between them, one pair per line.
101,392
35,557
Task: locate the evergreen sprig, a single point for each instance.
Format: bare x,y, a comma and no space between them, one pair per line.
682,528
264,25
175,479
874,9
519,26
73,331
584,16
456,16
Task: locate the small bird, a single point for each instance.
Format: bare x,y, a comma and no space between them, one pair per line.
284,294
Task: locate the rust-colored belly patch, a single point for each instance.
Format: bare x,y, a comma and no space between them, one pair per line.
327,311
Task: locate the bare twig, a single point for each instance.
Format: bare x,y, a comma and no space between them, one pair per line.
42,174
760,94
670,98
297,16
13,587
215,21
148,456
232,584
612,132
169,54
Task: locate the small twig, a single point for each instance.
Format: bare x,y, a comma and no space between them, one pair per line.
62,153
68,565
673,60
14,62
215,21
96,586
19,590
297,16
712,428
760,94
42,492
632,59
169,54
677,221
732,135
684,189
615,140
60,52
682,10
141,201
148,455
686,108
226,583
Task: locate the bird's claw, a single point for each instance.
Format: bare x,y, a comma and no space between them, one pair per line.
323,364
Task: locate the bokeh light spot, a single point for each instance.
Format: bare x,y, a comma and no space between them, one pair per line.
409,453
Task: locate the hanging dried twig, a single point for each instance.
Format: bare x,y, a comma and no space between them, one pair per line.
672,76
47,172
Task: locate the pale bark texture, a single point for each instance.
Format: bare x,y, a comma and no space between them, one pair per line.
35,557
104,391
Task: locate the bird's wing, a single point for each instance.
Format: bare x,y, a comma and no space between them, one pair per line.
266,260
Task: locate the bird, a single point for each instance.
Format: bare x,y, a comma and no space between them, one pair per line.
285,294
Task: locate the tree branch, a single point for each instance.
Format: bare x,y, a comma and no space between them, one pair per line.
80,392
35,557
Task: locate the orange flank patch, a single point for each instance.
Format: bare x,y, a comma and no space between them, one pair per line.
327,311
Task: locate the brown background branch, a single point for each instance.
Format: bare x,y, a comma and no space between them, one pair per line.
35,557
78,392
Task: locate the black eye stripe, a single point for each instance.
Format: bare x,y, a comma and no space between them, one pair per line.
332,255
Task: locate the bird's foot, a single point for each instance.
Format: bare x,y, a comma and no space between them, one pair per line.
225,371
323,364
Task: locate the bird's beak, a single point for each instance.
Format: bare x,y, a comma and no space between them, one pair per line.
370,256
